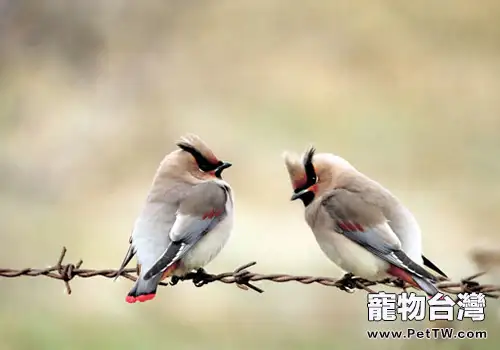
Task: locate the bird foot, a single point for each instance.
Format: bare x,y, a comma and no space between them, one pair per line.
174,280
201,277
394,281
347,283
399,283
198,277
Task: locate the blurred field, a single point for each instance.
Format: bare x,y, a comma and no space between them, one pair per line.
94,94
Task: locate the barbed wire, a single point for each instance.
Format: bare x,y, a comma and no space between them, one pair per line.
243,278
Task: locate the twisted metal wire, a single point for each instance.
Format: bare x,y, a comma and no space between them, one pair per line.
243,278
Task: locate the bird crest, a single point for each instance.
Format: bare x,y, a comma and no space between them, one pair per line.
197,147
295,168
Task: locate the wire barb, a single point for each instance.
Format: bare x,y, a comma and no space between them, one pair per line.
243,278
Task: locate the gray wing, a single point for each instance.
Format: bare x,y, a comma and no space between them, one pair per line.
199,212
365,224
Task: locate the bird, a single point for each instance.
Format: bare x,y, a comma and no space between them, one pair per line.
186,220
359,224
405,226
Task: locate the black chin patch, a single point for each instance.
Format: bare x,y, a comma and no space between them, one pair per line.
307,198
218,173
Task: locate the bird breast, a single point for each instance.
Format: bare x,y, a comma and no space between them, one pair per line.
211,244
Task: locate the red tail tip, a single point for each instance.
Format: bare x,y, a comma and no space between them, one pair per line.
145,297
141,298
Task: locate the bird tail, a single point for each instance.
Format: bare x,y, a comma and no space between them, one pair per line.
423,283
426,285
433,266
143,290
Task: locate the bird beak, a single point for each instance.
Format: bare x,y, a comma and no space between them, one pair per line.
300,194
218,171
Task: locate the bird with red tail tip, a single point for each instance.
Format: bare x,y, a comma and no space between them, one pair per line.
355,220
186,219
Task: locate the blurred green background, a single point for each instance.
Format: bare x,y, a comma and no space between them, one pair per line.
94,94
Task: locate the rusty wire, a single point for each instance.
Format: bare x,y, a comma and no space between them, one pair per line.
242,277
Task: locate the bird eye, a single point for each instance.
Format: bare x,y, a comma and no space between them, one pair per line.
205,166
310,173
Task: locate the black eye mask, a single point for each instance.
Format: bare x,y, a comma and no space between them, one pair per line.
202,162
308,166
311,178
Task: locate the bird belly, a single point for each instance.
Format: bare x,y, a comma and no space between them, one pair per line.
351,257
207,248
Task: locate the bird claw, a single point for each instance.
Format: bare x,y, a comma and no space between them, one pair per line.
201,277
347,283
174,280
399,283
471,286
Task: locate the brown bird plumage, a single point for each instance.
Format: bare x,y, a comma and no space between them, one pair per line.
401,220
354,220
186,219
